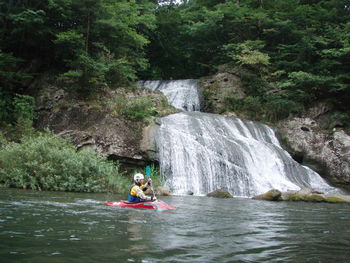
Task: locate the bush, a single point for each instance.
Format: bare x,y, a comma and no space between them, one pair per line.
271,108
48,162
141,107
279,107
250,106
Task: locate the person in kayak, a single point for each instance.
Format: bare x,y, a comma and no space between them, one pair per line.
136,193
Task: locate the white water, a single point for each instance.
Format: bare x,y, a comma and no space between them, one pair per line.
182,94
201,152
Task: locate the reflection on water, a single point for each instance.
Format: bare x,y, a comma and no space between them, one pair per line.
66,227
134,228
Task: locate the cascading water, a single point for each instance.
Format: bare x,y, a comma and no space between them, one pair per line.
201,152
182,94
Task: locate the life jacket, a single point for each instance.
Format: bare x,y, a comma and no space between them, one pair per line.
132,196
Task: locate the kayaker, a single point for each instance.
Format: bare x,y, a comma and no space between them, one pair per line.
136,193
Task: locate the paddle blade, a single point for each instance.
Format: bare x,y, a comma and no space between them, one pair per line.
148,171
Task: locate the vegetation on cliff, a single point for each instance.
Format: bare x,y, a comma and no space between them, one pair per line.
44,161
140,104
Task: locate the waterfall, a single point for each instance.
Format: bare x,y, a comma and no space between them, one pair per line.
202,152
182,94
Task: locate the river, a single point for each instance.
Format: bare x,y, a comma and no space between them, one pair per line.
77,227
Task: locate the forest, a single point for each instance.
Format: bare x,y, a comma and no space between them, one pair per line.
290,54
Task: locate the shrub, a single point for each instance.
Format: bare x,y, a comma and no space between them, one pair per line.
278,107
48,162
141,107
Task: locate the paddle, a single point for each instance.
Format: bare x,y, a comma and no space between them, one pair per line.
148,174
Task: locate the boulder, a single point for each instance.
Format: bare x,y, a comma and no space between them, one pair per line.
306,195
272,195
163,191
220,193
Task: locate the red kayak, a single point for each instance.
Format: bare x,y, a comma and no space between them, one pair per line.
157,205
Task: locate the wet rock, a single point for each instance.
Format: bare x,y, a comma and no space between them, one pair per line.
272,195
148,143
163,191
338,198
306,195
308,191
220,193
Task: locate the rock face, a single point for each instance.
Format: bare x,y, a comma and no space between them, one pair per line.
221,193
325,151
90,125
218,88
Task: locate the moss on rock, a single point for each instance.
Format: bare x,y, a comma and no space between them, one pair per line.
305,195
272,195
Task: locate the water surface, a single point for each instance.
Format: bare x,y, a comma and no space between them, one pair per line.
72,227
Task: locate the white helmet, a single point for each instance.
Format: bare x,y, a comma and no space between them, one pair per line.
138,177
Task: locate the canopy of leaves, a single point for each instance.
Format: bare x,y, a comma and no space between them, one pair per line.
298,49
87,41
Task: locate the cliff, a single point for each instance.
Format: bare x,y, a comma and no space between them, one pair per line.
97,122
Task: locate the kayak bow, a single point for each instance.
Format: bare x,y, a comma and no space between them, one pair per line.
157,205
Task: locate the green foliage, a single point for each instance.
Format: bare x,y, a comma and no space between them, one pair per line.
306,43
24,107
137,108
248,54
115,42
10,78
47,162
155,171
3,140
22,111
141,107
269,108
118,184
277,107
155,175
90,42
